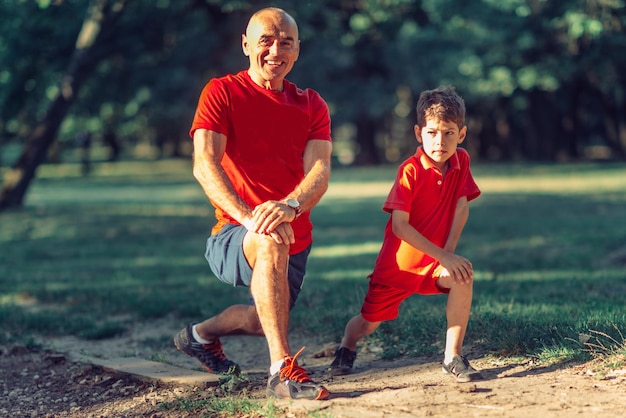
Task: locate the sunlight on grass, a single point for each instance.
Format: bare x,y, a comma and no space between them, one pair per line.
345,274
339,190
555,355
20,299
161,210
116,194
169,168
547,275
567,185
550,174
342,250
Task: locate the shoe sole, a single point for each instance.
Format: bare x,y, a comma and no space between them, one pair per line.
340,371
208,369
322,395
469,378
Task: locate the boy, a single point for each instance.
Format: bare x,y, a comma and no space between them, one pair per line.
428,204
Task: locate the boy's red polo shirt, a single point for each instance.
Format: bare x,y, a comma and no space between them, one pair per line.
430,199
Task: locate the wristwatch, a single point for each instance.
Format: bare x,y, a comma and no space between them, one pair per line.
295,205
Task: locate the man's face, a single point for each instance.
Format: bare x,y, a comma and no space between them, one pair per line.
439,139
271,42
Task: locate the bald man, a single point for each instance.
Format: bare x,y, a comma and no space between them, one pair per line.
262,151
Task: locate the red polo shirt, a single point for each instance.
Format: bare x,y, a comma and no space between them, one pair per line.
430,199
266,133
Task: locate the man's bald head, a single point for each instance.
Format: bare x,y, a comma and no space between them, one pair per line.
278,17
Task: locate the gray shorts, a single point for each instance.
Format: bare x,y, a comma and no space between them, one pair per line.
224,252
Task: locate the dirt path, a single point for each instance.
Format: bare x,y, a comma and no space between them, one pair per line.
49,384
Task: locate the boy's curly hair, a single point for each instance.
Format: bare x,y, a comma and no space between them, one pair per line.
442,103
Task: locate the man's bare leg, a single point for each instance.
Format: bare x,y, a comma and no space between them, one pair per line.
234,320
270,290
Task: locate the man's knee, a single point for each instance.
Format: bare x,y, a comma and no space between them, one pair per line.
258,246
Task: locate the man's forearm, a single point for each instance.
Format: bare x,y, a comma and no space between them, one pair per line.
220,191
311,189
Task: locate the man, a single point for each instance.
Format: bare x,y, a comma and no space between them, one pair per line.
262,155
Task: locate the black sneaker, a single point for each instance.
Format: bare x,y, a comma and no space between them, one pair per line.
343,362
211,356
293,382
460,368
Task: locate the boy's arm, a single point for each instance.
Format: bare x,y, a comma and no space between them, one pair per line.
459,268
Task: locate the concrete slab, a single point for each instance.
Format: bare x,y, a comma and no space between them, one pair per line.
87,352
152,371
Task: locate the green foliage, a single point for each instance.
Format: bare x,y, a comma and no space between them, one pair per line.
541,79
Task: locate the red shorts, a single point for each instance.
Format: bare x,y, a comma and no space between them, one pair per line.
382,302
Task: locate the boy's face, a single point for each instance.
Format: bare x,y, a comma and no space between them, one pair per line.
439,139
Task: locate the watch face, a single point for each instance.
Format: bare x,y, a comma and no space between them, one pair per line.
293,203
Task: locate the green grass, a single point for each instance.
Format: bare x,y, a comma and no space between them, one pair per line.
226,406
88,256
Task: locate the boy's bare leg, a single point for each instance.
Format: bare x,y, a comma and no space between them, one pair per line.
357,328
457,314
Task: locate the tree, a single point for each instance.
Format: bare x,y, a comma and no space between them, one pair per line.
100,18
540,79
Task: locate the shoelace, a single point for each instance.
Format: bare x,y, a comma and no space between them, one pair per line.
216,349
291,370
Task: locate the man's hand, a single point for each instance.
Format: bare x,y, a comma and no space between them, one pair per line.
273,218
283,234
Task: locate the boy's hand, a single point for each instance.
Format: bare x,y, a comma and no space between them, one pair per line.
456,267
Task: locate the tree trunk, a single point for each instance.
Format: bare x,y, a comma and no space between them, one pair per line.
98,19
367,153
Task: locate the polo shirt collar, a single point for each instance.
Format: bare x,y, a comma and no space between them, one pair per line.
427,163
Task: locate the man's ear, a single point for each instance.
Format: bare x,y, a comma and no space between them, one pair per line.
418,133
244,45
298,54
